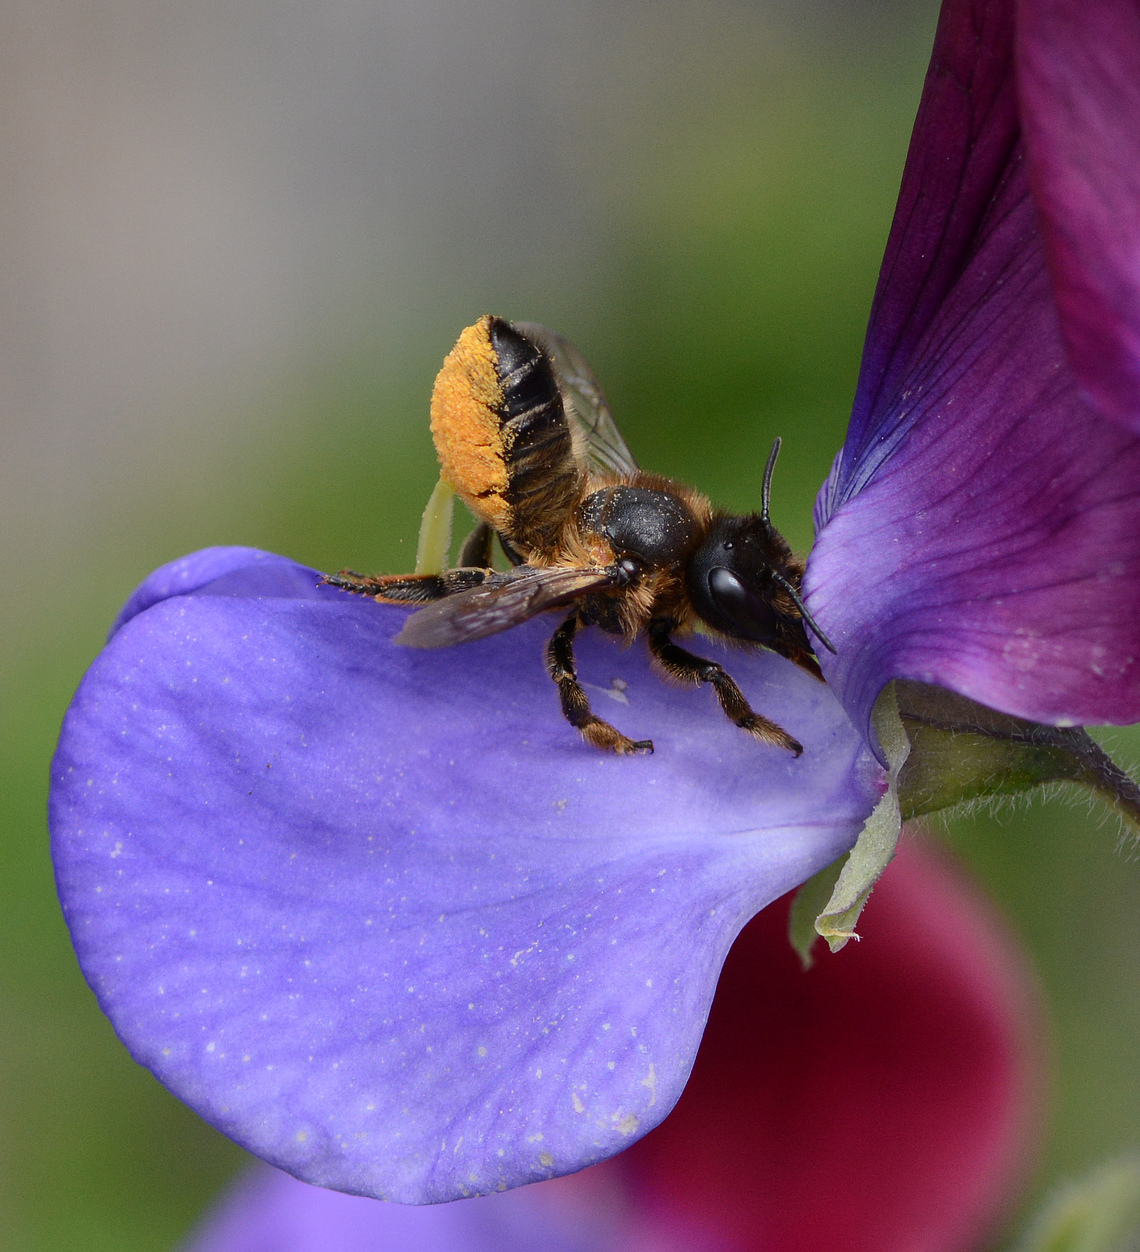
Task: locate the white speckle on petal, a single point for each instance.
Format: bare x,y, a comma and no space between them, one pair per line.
650,1081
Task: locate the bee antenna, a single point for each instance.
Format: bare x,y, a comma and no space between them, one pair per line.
809,621
769,469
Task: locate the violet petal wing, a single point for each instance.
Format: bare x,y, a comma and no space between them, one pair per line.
1079,77
981,527
225,571
379,914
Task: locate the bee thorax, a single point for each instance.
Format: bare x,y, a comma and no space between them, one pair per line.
655,527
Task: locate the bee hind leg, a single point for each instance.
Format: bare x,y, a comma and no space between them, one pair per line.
475,550
407,588
575,703
693,670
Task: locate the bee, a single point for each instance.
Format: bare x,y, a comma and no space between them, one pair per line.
526,440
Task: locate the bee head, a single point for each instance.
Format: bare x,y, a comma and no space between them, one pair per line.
739,576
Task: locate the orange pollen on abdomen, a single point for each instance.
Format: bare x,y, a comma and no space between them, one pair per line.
465,425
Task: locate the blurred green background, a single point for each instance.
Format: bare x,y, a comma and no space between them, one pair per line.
239,244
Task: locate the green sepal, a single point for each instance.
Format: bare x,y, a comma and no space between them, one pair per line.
942,751
1098,1213
810,900
434,544
962,751
875,847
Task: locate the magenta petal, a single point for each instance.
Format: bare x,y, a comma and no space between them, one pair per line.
981,527
381,916
1079,78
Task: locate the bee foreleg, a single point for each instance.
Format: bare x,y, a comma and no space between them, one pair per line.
408,588
575,702
475,551
686,667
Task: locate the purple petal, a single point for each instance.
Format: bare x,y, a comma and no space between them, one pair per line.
1079,75
270,1212
383,918
981,527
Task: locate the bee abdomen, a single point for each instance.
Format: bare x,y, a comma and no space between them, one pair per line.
544,479
502,435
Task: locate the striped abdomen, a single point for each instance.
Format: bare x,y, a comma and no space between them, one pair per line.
502,435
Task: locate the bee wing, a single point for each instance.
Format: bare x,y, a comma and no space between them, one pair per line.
585,402
502,601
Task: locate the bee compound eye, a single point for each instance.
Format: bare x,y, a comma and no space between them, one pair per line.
751,615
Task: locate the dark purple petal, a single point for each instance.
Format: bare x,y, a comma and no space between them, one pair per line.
380,915
1079,77
997,554
270,1212
981,527
964,142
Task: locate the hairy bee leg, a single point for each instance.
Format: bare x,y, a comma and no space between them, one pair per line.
408,588
688,668
575,702
511,552
475,552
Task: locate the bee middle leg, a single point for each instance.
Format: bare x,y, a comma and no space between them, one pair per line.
408,588
693,670
476,549
575,702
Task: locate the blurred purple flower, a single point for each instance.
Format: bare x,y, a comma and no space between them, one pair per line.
937,1074
980,529
373,912
268,1211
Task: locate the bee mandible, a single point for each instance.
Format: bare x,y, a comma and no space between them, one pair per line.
526,440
